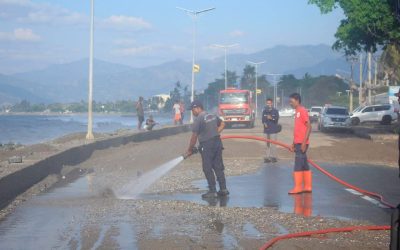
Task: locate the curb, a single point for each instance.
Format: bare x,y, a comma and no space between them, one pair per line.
374,137
18,182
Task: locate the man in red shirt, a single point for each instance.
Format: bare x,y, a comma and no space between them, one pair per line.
302,129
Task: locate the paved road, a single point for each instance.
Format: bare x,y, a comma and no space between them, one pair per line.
72,217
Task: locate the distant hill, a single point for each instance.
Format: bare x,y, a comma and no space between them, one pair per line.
68,82
10,93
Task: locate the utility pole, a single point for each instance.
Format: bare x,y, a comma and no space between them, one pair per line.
360,91
369,77
194,15
89,135
226,47
256,66
376,72
282,91
352,86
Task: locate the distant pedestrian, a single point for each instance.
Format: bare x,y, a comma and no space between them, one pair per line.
140,112
398,129
302,130
177,112
150,123
270,118
182,107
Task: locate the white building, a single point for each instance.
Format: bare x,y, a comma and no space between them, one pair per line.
160,100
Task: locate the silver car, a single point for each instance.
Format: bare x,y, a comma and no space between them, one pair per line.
334,117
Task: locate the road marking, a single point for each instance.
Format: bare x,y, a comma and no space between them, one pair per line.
376,202
367,198
353,191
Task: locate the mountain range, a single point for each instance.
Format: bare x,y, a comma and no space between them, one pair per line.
68,82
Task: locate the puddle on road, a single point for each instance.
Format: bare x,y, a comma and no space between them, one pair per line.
268,188
250,231
47,220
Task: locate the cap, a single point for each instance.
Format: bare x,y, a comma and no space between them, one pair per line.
196,104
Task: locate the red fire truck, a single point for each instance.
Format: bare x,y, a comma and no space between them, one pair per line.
236,106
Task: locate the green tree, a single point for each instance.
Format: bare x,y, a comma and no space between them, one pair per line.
248,78
390,61
23,106
175,95
368,24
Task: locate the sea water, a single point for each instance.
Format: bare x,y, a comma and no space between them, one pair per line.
133,189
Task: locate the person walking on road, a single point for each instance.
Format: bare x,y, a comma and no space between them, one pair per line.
270,118
302,129
140,112
206,128
177,113
182,107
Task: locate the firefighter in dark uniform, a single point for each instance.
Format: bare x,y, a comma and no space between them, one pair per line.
206,128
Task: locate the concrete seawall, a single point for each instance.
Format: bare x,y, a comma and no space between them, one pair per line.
17,183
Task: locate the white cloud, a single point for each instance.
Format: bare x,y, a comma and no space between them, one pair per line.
133,51
20,34
16,2
27,11
126,23
124,42
53,15
237,33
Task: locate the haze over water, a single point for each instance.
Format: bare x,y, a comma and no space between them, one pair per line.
31,129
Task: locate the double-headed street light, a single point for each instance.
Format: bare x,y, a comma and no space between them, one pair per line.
194,14
256,67
226,47
275,82
89,135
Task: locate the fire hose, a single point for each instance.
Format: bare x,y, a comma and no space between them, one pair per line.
376,196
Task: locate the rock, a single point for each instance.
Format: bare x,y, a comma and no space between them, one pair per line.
15,159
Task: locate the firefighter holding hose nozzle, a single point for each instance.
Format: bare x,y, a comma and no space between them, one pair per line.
302,128
206,128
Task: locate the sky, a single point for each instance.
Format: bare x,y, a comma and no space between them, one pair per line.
37,33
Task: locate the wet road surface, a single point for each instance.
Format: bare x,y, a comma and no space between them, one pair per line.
53,219
269,187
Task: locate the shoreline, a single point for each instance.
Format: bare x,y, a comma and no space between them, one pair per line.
81,114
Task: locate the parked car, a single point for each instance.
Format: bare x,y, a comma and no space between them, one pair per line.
286,113
334,117
314,113
383,113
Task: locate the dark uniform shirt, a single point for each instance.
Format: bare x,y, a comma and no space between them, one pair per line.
272,124
206,126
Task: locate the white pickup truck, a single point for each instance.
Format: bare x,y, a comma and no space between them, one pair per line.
315,113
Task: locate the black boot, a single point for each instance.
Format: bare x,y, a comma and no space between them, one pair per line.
209,194
223,192
267,159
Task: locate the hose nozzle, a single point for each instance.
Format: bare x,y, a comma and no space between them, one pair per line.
195,150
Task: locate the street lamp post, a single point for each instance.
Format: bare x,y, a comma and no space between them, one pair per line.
225,47
256,66
89,135
275,82
194,15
